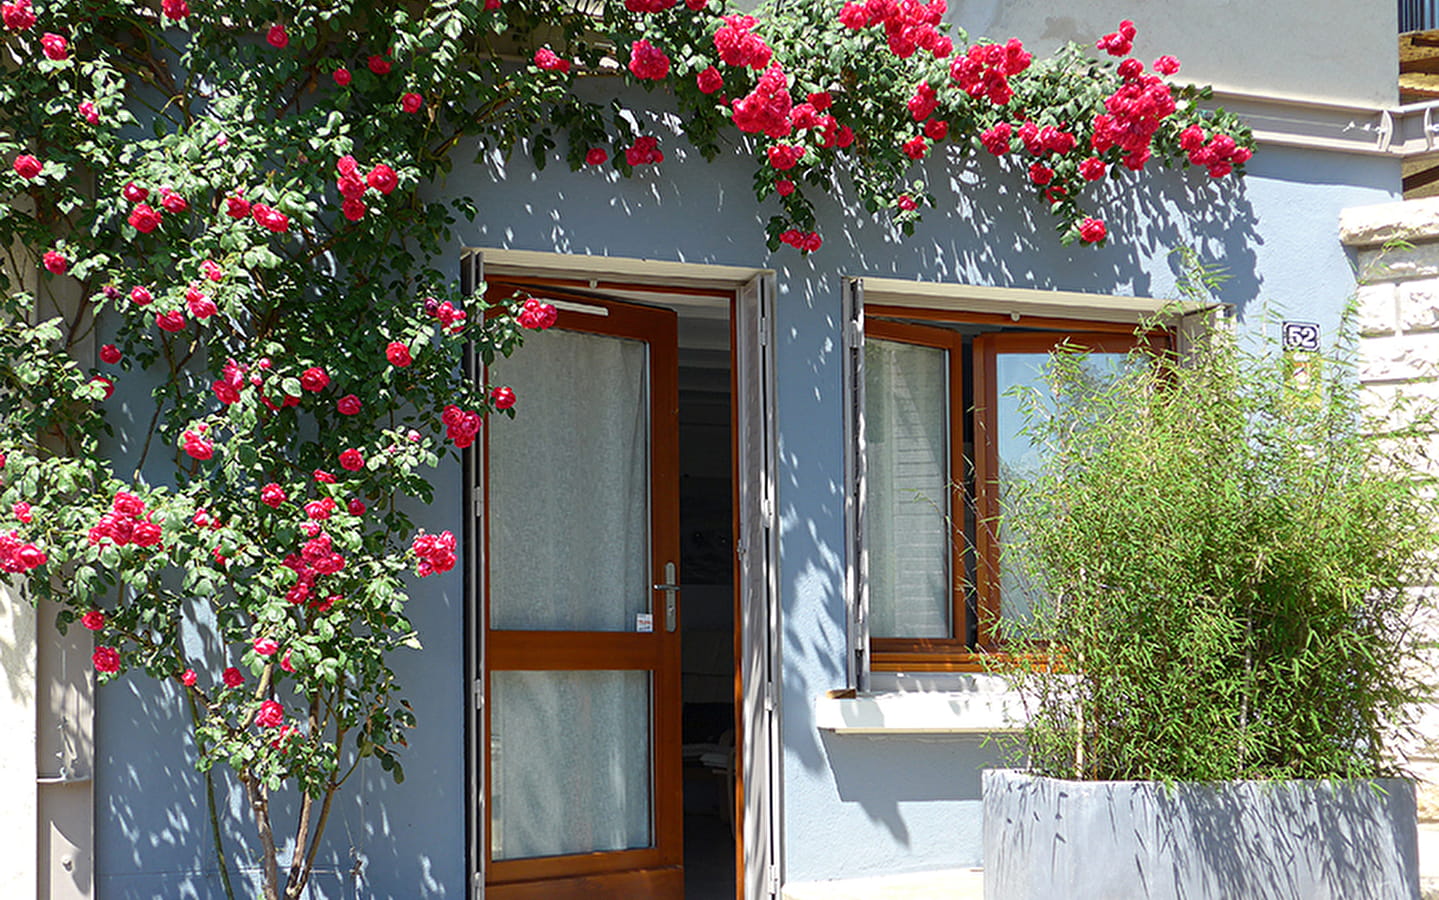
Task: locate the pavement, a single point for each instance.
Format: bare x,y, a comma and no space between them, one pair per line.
968,884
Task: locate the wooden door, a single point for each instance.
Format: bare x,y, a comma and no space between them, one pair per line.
582,658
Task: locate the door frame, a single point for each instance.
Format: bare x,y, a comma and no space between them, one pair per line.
758,789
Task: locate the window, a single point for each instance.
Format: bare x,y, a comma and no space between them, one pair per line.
941,443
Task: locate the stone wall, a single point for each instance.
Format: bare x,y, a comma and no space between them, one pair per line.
1396,247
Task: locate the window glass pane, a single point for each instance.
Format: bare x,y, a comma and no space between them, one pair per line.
569,762
1019,458
906,421
569,485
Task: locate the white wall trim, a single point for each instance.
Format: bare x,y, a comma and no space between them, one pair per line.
978,712
597,269
1018,302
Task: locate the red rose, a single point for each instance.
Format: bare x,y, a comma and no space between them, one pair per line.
644,151
277,37
106,659
197,446
314,379
1040,174
232,677
379,65
502,397
141,296
271,715
171,321
56,263
22,512
597,156
109,354
134,193
55,46
265,646
87,111
1131,69
144,219
27,166
398,354
285,662
107,383
906,203
341,76
188,677
322,477
648,61
270,218
348,405
536,315
784,187
211,270
147,534
382,178
411,102
356,507
351,460
93,620
1093,169
18,16
201,307
784,157
237,207
548,60
272,495
225,392
354,209
936,129
916,147
172,201
710,80
175,9
1092,231
29,556
1166,65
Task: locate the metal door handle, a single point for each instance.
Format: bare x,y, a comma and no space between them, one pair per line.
671,589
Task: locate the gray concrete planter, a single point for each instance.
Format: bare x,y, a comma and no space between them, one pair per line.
1048,839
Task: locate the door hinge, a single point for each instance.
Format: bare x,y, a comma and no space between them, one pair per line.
478,689
852,334
766,507
773,880
479,504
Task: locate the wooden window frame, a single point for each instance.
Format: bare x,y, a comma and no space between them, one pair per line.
955,654
952,342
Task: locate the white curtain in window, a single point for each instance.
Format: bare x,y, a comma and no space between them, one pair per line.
570,762
906,420
569,485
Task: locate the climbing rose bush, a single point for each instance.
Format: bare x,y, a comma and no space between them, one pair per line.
217,194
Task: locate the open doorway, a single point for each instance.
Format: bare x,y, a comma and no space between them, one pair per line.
630,408
707,554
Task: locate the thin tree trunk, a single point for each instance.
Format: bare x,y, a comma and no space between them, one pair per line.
260,806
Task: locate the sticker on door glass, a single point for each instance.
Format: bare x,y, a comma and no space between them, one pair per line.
644,622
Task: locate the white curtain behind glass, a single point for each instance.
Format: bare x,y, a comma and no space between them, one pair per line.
569,486
570,762
907,475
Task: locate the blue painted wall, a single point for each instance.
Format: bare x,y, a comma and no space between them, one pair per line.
853,805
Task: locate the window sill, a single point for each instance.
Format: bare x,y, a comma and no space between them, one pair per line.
978,710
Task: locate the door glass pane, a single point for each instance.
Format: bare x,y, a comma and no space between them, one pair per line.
569,485
569,762
1019,458
906,427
